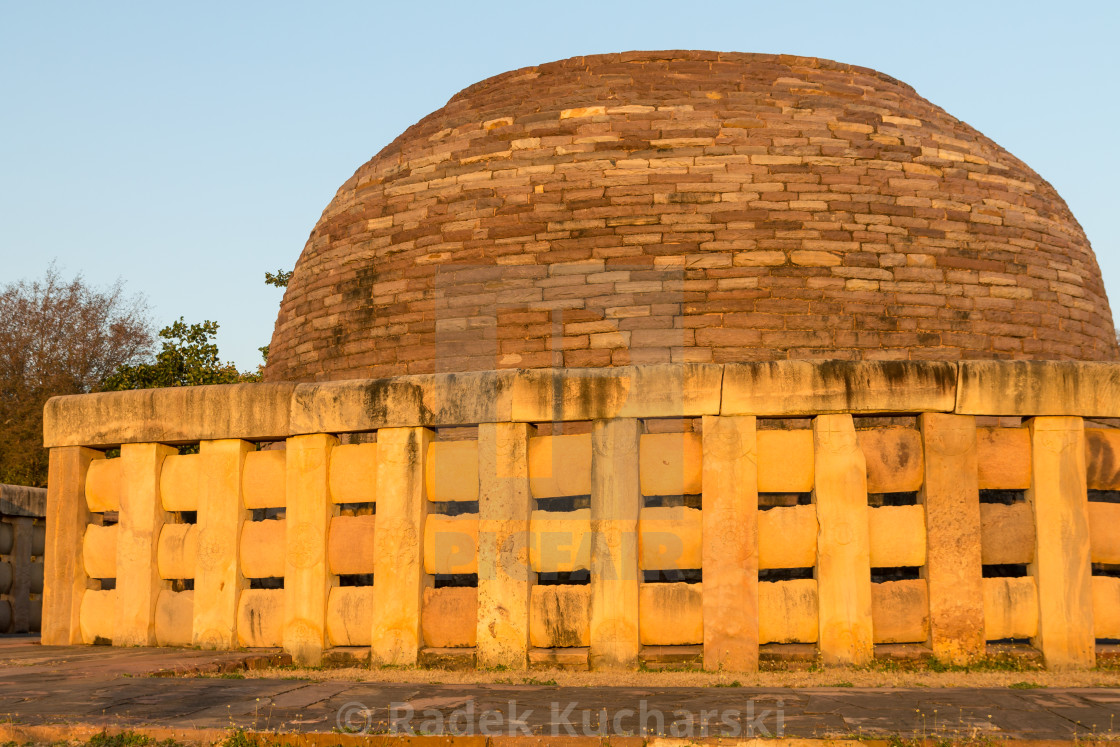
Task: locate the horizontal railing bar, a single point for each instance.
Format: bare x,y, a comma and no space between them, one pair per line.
273,411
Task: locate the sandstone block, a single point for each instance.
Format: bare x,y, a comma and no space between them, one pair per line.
505,576
450,617
350,545
260,618
1003,457
254,412
1061,566
99,551
791,388
349,615
307,575
354,473
729,543
894,459
1106,607
843,561
651,391
1102,456
174,624
103,485
670,538
788,611
615,506
177,551
670,463
897,536
560,616
180,482
451,471
222,514
560,465
785,461
399,578
1029,388
451,544
1010,608
787,537
951,499
671,614
65,578
141,519
97,615
264,480
560,541
262,548
1006,534
900,611
427,400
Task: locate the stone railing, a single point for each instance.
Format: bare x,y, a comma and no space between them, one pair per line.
598,517
22,536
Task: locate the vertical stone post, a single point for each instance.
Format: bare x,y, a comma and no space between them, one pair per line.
20,593
64,572
221,513
843,550
141,519
398,567
505,578
616,504
730,550
953,572
1061,568
307,575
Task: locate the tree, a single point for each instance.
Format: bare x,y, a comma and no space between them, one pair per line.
189,358
58,337
280,279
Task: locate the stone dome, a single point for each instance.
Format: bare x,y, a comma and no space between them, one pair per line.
650,207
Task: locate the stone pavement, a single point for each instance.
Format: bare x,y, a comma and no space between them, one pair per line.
111,687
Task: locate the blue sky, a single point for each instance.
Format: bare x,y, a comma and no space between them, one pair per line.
187,148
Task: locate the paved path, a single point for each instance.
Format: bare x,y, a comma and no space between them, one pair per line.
104,686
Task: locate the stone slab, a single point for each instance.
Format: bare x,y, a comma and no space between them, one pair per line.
254,412
1028,388
428,400
791,388
21,500
651,391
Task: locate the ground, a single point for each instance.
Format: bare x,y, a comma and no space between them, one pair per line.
48,693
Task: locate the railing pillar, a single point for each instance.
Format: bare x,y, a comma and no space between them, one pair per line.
616,503
730,550
141,519
218,581
64,572
398,575
23,528
505,578
307,575
953,572
843,549
1061,568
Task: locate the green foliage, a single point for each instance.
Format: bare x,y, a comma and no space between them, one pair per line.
238,738
128,739
279,279
189,358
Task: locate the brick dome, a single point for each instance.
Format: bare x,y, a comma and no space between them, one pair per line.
688,206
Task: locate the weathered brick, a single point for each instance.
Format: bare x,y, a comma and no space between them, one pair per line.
567,215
